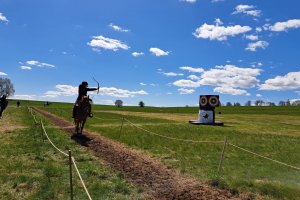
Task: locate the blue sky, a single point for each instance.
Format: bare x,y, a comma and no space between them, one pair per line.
162,52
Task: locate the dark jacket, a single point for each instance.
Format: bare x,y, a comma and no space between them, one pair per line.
82,91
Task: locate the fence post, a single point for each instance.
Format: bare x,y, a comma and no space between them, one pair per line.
70,167
42,132
121,127
222,154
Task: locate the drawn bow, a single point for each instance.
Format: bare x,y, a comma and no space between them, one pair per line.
97,83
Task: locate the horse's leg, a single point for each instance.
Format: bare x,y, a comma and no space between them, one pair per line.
82,125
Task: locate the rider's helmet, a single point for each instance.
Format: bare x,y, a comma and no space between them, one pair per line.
84,83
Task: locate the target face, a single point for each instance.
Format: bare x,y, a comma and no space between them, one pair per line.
203,101
213,101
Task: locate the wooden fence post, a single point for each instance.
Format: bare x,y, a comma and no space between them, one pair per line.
121,127
222,155
70,167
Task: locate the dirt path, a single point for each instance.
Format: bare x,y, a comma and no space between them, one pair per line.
157,180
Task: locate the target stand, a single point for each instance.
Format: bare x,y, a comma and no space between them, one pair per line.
207,104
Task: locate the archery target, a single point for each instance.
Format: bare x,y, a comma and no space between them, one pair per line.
203,101
213,101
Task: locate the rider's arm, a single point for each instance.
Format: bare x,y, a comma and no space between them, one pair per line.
91,89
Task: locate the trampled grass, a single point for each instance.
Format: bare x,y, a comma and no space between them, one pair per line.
272,132
33,169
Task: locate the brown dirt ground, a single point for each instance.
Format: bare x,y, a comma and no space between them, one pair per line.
156,179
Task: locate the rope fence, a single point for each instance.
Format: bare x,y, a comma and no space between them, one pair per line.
65,154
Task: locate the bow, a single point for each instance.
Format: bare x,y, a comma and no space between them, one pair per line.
97,83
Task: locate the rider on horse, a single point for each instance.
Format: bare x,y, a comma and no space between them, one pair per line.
3,104
82,91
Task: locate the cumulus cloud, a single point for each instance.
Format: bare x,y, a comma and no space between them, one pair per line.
24,97
290,81
3,18
143,84
3,74
258,95
107,43
186,91
230,90
25,67
220,33
216,1
191,69
39,64
69,90
259,44
284,26
193,77
137,54
252,37
189,1
247,9
118,28
228,79
171,74
158,52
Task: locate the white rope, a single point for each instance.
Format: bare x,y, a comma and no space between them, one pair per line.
86,191
106,119
171,138
276,161
51,141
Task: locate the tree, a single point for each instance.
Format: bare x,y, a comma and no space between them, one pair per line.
119,103
237,104
288,103
141,104
228,104
281,103
6,87
296,103
248,103
259,102
272,104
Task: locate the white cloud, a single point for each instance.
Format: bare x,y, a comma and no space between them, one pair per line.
3,18
290,81
230,90
137,54
191,69
247,9
252,37
118,28
259,44
153,84
186,91
216,1
158,52
258,29
218,21
25,67
69,90
193,77
171,74
24,97
107,43
189,1
258,95
39,64
220,33
284,26
143,84
187,83
3,74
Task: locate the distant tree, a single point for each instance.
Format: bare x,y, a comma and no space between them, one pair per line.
288,103
228,104
186,106
281,103
259,102
237,104
272,104
119,103
141,104
296,103
6,87
248,103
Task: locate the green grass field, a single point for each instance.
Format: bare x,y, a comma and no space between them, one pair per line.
33,169
270,131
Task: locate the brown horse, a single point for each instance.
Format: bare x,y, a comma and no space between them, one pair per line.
82,114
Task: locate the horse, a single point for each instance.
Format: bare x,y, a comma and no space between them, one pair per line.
82,113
